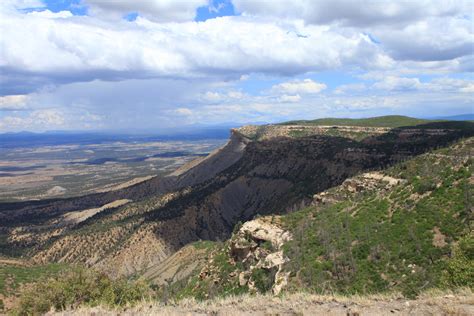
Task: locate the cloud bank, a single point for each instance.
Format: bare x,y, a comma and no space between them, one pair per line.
271,60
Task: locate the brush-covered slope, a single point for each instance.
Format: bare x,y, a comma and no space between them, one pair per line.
407,228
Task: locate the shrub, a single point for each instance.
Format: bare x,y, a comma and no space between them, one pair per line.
263,279
77,287
424,185
460,268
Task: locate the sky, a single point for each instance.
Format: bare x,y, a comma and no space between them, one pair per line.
163,64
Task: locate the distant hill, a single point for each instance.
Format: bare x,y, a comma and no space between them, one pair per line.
379,121
56,138
460,117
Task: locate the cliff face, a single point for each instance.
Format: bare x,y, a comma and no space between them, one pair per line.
206,199
404,229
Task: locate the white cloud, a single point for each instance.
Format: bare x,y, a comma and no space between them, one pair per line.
144,49
164,68
424,30
350,88
157,10
468,88
47,117
452,85
235,95
354,12
217,97
393,83
290,98
21,4
433,39
184,111
51,15
13,102
306,86
212,96
36,120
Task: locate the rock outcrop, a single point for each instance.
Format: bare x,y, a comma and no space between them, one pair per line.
257,245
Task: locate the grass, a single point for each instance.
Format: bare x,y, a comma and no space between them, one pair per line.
12,277
380,121
204,244
78,287
301,303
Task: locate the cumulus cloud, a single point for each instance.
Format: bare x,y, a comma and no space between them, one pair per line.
443,85
424,30
434,39
306,86
40,119
289,98
217,97
13,102
353,12
157,10
22,4
101,70
452,85
393,83
51,15
144,49
468,88
184,111
350,88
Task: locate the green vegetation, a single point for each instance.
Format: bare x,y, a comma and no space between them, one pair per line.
204,244
459,270
381,121
222,283
77,287
13,276
385,241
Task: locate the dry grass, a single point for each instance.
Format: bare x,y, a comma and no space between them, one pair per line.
430,303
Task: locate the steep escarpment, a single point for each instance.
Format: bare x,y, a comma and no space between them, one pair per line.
404,229
205,200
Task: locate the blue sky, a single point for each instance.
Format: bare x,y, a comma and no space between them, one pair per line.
93,64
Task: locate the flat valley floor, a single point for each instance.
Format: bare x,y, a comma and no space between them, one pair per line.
58,171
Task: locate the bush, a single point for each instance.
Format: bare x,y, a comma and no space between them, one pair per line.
460,268
79,287
263,279
424,185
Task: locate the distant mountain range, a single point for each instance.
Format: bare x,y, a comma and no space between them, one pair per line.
52,138
459,117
